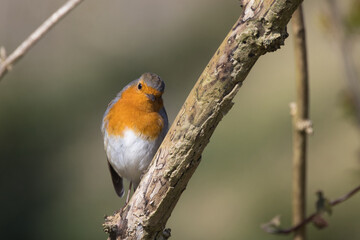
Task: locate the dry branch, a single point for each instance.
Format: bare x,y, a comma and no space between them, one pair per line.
300,115
261,28
310,218
6,63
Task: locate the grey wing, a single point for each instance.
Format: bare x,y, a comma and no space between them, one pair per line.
163,114
117,181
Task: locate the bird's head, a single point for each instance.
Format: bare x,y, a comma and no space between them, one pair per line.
146,92
151,85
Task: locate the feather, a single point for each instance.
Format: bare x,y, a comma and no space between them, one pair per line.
117,181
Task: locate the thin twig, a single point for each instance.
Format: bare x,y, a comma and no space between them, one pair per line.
312,216
300,121
7,62
345,197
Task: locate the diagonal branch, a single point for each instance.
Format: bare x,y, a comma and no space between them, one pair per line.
345,197
261,28
6,63
311,217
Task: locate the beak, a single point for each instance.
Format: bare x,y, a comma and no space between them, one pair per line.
151,97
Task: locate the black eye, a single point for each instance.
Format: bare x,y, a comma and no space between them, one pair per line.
139,86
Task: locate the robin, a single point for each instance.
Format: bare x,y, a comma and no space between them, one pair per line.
133,126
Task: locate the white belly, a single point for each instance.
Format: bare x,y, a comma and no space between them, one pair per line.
130,155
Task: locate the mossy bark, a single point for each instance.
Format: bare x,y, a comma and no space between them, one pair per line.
261,28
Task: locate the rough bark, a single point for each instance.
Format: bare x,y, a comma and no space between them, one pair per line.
261,28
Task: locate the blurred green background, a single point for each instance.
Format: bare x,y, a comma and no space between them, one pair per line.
54,179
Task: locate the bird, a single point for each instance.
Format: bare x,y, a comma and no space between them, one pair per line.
133,126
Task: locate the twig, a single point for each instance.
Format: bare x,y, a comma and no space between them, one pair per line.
312,216
301,124
7,62
345,197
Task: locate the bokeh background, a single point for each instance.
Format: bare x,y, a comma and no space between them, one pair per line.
54,179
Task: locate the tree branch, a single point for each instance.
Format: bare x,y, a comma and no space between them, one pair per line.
6,63
300,113
261,28
310,218
345,197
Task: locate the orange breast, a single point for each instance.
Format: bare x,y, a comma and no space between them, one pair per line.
136,112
